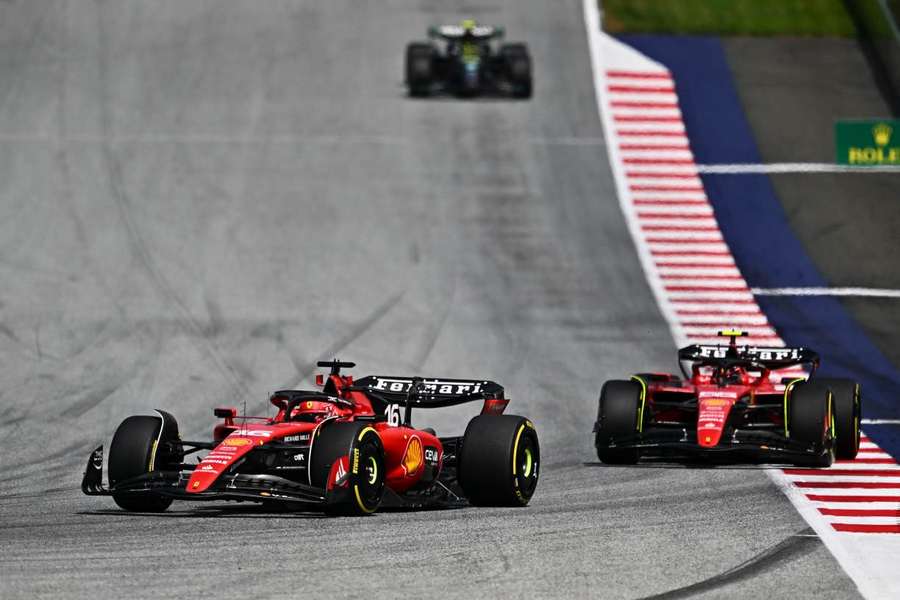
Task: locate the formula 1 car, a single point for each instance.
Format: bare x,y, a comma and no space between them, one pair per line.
733,403
349,448
468,64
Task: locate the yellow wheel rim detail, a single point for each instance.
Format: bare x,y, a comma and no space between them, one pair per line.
373,471
529,462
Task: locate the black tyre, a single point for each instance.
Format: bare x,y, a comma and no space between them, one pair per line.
143,444
499,462
810,420
847,405
419,68
618,415
517,65
365,470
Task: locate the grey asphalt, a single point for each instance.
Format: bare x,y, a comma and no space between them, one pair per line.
201,199
793,90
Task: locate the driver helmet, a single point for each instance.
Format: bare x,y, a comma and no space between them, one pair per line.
468,25
312,411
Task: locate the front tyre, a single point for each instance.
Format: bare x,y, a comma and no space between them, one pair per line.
517,67
143,444
419,68
347,460
499,462
847,405
810,420
618,416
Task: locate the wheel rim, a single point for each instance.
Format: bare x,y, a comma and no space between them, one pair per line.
372,470
371,481
526,472
528,463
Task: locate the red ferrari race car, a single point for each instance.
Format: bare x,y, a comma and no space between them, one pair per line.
349,448
733,402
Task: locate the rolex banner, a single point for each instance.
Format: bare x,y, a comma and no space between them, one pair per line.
867,143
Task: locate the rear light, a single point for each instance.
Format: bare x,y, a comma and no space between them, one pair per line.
494,406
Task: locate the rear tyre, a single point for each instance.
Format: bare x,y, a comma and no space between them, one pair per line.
419,68
847,405
499,462
359,449
810,411
143,444
517,64
618,415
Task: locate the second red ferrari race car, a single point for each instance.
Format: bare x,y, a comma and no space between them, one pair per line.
733,402
349,448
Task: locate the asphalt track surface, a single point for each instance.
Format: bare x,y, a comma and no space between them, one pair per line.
201,199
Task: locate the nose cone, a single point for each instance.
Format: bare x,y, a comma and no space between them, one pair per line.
711,417
217,462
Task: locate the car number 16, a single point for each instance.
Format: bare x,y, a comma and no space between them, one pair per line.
393,414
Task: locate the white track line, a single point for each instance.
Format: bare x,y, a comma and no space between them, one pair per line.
774,168
825,291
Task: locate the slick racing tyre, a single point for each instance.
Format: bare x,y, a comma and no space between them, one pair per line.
618,413
499,461
847,406
419,68
517,64
347,460
143,444
810,420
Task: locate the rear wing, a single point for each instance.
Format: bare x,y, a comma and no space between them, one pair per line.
457,32
425,392
773,358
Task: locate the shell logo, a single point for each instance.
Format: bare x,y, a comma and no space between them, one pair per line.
237,441
413,457
715,402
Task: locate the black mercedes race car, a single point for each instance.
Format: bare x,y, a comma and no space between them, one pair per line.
469,64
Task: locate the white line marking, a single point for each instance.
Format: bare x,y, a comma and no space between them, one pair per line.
756,168
880,421
824,291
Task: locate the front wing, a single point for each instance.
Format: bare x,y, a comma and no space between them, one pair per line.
445,492
239,486
764,446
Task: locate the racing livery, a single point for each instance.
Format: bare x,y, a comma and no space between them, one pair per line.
461,59
733,401
348,448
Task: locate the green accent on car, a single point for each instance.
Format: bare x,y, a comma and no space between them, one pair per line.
787,392
529,463
640,423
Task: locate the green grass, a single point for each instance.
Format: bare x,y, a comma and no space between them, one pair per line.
894,5
872,14
728,17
